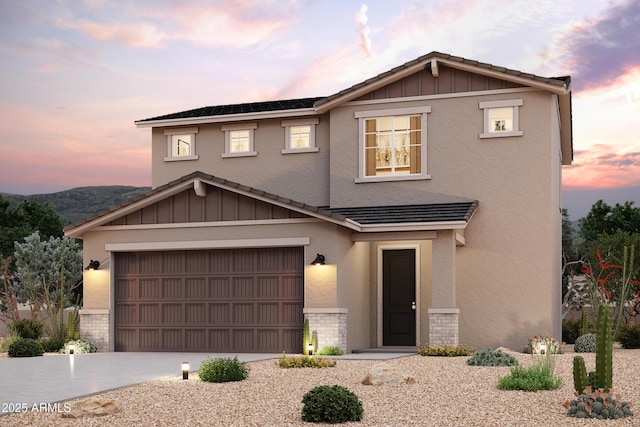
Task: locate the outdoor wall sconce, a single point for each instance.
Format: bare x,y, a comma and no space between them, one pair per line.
310,349
72,348
319,260
93,265
185,370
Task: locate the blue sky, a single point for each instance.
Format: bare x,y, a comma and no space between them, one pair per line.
76,74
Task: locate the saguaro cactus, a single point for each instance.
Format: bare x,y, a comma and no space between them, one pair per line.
306,337
584,323
604,349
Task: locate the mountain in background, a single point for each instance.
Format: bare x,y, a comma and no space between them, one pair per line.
579,202
82,202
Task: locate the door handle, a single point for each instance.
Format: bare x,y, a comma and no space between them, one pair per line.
413,305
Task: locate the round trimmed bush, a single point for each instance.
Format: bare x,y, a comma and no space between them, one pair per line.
629,336
25,347
221,370
490,357
52,345
585,344
28,328
331,404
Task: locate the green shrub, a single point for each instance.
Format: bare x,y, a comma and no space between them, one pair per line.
25,347
598,405
305,362
81,347
6,342
447,351
570,330
223,369
330,350
585,344
629,336
51,345
534,378
28,328
331,404
488,357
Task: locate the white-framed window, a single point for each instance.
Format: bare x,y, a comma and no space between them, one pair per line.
300,136
239,140
501,118
392,144
181,144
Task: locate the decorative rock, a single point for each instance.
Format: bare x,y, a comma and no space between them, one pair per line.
93,407
385,374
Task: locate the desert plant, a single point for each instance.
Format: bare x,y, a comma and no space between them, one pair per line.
570,330
533,378
80,347
6,342
25,347
221,369
585,326
585,343
543,345
72,325
629,336
597,404
28,328
447,350
306,337
331,404
581,379
488,357
51,345
604,350
305,362
330,350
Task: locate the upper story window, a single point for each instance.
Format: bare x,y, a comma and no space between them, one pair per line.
393,144
300,136
501,118
239,140
181,144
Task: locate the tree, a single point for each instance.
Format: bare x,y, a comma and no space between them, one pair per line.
603,219
47,271
27,217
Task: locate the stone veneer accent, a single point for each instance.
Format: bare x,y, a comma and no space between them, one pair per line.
94,327
443,326
329,324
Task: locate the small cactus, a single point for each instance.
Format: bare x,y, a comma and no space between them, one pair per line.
580,377
306,337
584,323
604,349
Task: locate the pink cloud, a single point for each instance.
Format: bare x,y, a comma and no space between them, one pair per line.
599,167
363,30
138,34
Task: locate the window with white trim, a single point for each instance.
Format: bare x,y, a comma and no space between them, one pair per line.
239,140
393,144
501,118
300,136
181,144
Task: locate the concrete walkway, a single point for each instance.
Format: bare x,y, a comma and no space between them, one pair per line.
49,379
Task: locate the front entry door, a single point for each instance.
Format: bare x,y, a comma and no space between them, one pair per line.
399,297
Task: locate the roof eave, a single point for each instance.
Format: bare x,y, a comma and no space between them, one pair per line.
298,112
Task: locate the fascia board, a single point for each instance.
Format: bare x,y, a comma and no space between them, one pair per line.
226,118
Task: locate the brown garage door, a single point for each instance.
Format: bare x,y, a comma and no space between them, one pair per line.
240,300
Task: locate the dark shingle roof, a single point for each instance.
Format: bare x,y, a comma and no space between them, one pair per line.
251,107
438,212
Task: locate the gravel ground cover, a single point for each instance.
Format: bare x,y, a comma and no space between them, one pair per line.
446,392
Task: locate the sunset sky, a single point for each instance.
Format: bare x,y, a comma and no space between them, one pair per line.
76,74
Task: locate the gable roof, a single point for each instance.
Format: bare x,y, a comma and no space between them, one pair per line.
431,216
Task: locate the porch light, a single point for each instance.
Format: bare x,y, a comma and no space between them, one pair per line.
72,348
310,349
319,260
185,370
93,265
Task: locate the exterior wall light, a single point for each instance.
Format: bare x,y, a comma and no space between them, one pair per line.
93,265
185,370
319,260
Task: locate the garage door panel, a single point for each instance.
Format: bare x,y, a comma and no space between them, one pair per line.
149,289
240,300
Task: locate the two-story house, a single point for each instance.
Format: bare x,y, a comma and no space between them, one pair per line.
429,196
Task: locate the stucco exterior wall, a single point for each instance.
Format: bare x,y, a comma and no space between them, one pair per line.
507,276
303,177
